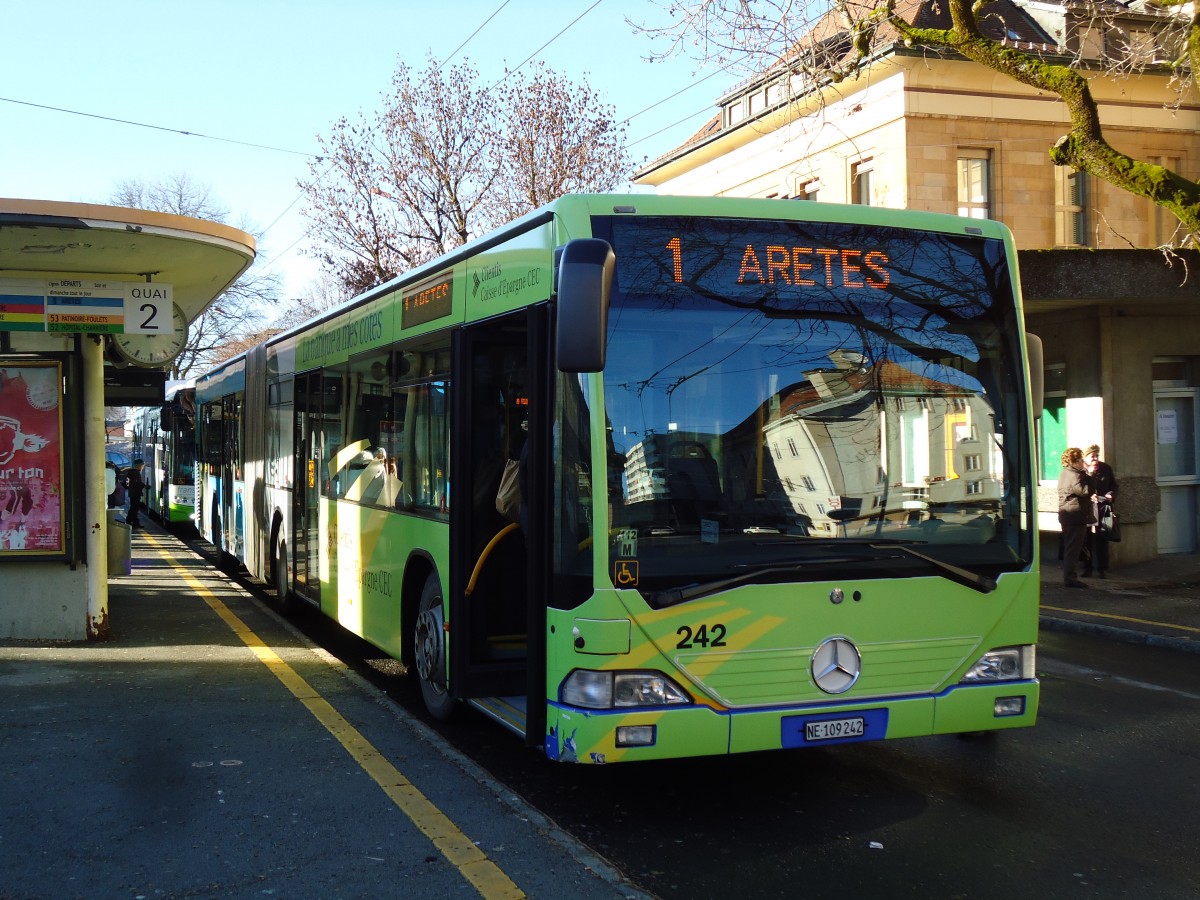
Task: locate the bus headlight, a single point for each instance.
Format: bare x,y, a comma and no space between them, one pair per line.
613,690
1005,664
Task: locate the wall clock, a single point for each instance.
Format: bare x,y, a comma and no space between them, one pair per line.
155,350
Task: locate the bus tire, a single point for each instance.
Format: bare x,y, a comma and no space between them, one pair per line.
225,562
283,594
429,651
218,537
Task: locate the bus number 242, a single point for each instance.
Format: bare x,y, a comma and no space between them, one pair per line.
704,636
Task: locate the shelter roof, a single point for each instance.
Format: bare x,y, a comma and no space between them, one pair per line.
51,239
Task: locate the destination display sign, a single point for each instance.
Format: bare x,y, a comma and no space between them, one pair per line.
93,307
428,300
802,267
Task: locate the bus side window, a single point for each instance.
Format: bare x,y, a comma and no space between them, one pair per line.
368,405
420,428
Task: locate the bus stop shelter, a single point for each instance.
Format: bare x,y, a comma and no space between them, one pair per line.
92,299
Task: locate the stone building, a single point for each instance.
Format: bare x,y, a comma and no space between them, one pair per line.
1118,311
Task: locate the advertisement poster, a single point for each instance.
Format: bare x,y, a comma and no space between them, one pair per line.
31,460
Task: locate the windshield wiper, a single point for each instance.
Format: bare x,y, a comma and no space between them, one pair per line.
981,583
965,577
673,596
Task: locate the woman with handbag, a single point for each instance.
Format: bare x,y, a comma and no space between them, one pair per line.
1104,484
1074,512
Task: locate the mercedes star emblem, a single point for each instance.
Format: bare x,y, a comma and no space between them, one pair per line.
836,665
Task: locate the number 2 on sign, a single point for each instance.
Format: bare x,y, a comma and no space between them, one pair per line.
153,311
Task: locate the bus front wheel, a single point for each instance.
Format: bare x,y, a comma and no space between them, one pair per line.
429,651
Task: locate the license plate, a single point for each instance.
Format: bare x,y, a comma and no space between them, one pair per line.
833,729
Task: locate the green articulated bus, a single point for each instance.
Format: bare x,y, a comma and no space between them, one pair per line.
165,436
648,477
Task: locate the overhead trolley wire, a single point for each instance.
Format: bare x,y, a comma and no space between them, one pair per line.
563,31
207,137
476,31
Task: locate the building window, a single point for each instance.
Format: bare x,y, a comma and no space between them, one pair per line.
808,483
1090,38
973,461
1165,228
974,487
792,446
1070,207
735,112
808,190
974,184
1172,371
860,182
1141,45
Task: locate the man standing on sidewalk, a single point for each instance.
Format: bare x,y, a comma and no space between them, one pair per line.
135,487
1074,512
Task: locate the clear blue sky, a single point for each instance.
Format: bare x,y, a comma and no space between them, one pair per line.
276,73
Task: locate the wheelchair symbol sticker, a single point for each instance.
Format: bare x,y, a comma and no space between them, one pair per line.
625,573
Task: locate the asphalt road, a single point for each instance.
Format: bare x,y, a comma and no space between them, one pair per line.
1097,801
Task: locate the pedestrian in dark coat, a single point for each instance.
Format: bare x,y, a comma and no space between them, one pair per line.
135,487
1104,488
1074,512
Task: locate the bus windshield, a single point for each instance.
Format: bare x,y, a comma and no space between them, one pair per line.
793,397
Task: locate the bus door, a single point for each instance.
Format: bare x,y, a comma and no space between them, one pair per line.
309,442
497,590
231,477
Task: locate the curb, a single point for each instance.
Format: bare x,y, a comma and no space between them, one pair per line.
1125,635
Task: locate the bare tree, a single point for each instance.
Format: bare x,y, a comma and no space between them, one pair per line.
238,310
400,187
322,294
559,138
445,160
831,41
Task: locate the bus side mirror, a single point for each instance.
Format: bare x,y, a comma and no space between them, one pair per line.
1037,373
585,277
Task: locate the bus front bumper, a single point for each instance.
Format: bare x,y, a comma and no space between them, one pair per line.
594,736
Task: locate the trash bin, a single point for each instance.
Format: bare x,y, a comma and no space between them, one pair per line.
120,545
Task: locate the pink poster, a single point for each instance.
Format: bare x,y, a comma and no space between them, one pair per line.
31,463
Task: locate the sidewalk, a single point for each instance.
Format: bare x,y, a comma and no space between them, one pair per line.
1155,602
209,750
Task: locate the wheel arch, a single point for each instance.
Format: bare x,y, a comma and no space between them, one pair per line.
417,570
276,533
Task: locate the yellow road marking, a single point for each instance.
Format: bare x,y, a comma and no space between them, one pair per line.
1100,615
473,863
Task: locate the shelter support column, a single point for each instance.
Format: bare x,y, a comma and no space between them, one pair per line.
95,502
